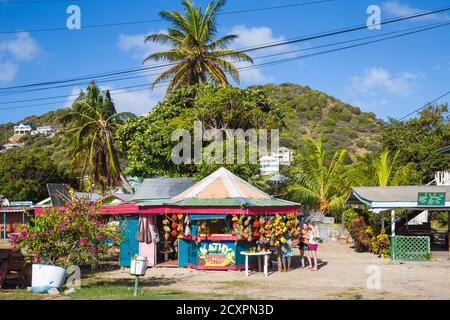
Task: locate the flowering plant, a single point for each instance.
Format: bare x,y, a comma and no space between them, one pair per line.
75,235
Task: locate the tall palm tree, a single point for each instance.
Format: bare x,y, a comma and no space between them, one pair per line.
381,170
93,122
319,182
195,55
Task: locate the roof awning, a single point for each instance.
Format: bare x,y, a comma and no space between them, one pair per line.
392,197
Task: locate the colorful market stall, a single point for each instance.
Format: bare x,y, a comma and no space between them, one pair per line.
209,224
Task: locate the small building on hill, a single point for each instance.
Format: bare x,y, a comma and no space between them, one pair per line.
24,128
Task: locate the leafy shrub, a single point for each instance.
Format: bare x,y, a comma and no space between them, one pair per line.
349,215
75,235
357,229
379,241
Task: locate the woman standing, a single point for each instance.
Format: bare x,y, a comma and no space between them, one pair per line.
313,235
304,244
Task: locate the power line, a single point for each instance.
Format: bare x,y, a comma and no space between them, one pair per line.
421,28
94,26
270,63
263,46
361,27
424,106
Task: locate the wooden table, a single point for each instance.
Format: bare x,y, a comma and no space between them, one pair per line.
260,254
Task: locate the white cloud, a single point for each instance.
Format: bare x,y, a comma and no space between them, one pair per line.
8,71
255,36
135,43
378,80
23,47
396,8
137,102
20,47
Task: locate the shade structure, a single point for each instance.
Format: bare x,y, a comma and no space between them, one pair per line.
222,188
222,184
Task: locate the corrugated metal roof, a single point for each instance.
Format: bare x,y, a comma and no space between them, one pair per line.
394,196
397,193
162,188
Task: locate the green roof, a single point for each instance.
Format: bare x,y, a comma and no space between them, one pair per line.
225,202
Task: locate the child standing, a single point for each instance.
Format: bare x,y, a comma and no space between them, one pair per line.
286,255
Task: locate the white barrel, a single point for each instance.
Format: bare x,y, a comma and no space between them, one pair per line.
46,277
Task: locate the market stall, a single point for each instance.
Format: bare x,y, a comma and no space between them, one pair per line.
209,224
223,215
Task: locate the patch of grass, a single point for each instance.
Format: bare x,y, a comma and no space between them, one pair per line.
97,288
19,294
233,284
349,294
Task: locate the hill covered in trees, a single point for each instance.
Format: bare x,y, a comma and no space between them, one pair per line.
311,112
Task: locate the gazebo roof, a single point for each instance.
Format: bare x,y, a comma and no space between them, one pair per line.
223,188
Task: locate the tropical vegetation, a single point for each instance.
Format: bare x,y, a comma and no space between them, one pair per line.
93,122
318,179
148,140
194,53
78,235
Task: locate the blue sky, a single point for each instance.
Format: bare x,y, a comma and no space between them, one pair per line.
390,78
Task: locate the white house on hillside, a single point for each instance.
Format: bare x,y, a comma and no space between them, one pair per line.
24,128
47,130
270,164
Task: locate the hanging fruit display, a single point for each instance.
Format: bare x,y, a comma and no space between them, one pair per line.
166,228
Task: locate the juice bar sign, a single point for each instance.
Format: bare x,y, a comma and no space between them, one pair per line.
431,199
216,254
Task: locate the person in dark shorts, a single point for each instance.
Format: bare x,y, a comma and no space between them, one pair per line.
304,245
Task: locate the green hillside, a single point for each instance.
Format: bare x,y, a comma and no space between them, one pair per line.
308,111
54,148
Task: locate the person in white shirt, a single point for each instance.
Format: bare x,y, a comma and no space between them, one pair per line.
314,234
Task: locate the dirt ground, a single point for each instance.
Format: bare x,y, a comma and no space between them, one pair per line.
343,274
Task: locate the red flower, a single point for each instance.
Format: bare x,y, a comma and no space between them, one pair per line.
174,225
174,233
174,217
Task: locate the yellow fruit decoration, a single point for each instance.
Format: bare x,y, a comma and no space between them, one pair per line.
180,216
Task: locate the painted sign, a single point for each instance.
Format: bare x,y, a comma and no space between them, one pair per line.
216,254
21,203
431,199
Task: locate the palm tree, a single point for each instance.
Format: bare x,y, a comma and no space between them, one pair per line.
195,55
319,182
380,170
93,122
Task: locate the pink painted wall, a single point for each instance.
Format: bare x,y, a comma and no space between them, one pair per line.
149,251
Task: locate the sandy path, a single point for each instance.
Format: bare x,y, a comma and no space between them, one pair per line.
343,275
